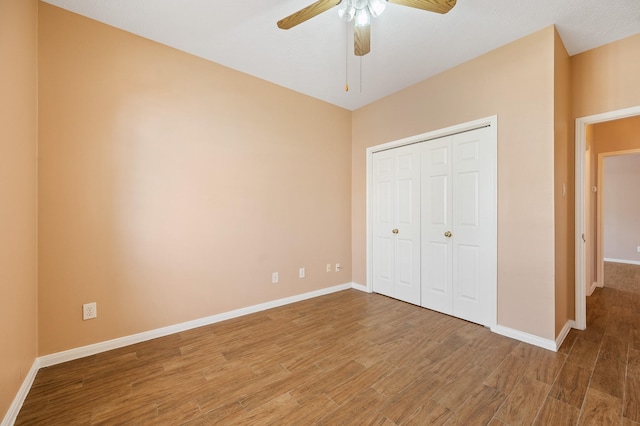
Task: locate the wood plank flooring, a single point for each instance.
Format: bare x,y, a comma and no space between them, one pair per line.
354,358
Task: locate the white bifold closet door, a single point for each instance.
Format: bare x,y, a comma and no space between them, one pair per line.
396,223
458,259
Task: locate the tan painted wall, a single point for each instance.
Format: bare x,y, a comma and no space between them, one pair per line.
606,78
614,136
171,187
564,165
18,179
622,204
617,135
123,217
610,136
516,82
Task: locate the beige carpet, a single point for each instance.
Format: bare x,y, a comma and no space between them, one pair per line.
622,276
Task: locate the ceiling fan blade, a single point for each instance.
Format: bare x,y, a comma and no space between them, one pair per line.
306,13
438,6
361,40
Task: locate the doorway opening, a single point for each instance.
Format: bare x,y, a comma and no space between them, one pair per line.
617,230
585,236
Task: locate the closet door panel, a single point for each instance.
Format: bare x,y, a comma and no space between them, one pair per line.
467,274
472,233
396,223
436,250
407,239
383,221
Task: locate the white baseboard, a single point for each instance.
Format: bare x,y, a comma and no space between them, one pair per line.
563,333
16,405
525,337
590,291
628,262
536,340
69,355
81,352
359,287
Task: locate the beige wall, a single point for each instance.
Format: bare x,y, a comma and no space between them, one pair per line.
622,204
564,190
166,191
617,135
606,137
602,80
172,187
516,82
18,236
606,78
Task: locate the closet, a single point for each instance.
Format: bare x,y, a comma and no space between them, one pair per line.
433,224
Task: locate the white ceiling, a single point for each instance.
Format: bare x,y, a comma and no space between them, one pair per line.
407,45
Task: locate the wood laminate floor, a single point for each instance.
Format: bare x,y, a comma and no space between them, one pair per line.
354,358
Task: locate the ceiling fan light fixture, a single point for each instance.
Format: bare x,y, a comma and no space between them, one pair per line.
360,4
360,11
376,7
363,19
346,11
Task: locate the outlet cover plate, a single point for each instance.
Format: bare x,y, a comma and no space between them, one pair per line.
89,311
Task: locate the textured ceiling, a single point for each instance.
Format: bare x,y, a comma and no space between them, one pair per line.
407,45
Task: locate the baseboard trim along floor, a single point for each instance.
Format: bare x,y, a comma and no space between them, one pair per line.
84,351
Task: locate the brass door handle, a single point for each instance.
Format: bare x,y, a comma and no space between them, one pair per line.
395,231
448,234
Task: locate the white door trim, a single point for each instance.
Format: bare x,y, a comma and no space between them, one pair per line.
581,148
491,122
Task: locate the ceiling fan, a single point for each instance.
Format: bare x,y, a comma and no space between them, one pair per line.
361,11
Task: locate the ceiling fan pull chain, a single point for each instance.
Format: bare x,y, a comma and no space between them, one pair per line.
346,56
360,74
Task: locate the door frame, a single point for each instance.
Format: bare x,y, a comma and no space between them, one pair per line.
492,123
580,184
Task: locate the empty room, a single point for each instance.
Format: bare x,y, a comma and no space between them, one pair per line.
332,212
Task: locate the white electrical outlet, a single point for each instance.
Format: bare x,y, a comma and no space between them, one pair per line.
274,278
301,273
89,311
338,267
328,267
638,249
